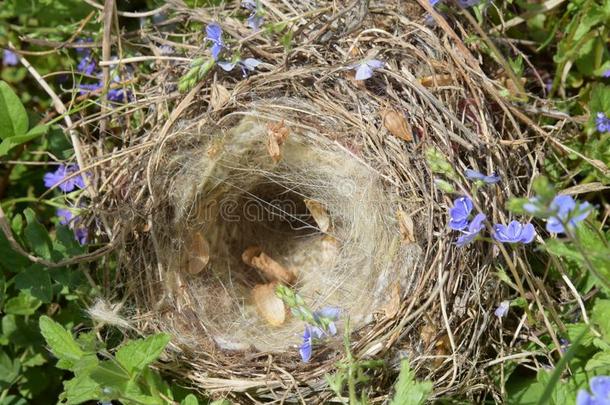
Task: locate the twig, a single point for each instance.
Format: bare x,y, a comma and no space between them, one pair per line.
142,59
131,14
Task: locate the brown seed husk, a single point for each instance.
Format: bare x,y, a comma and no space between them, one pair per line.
268,304
396,123
272,270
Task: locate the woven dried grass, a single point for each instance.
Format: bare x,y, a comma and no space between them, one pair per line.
182,155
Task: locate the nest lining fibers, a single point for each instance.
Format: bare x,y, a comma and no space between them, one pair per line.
198,164
227,187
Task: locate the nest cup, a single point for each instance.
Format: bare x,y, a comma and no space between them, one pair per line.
224,186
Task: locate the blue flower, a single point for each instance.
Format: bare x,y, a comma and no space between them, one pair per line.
600,392
214,34
474,228
462,207
81,234
306,347
606,73
87,65
364,70
474,175
515,232
255,20
566,211
602,122
247,65
502,309
51,179
9,58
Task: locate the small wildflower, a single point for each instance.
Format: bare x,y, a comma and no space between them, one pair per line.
474,228
364,70
81,234
532,206
515,232
65,216
600,392
214,34
306,347
502,309
59,176
255,20
247,65
87,65
602,122
328,315
462,207
606,73
9,58
566,211
474,175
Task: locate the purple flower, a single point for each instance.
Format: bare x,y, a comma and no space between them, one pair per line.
502,309
87,65
602,122
247,65
306,347
474,175
434,2
364,70
600,392
532,206
474,228
515,232
255,20
327,316
462,207
606,73
566,211
59,176
65,216
214,34
9,58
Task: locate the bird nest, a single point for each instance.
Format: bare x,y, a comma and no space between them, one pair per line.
300,175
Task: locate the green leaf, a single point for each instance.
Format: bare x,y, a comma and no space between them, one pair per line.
599,316
36,235
81,389
37,281
9,143
9,369
190,400
409,391
136,355
60,340
23,304
13,118
110,374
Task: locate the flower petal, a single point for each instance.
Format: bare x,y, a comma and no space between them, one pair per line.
364,72
251,63
584,398
214,32
600,388
375,64
329,312
226,66
527,234
554,225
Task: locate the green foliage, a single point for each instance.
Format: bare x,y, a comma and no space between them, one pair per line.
408,390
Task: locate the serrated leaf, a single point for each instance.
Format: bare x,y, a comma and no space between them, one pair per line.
9,369
60,340
408,390
81,389
136,355
36,235
9,143
37,281
109,374
13,118
190,399
23,304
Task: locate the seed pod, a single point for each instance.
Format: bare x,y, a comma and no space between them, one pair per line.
198,253
319,214
397,124
271,270
268,304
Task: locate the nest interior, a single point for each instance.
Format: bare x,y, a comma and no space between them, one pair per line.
197,163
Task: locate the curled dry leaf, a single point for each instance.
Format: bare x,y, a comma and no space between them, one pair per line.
405,224
271,270
396,123
319,214
219,96
436,80
277,136
393,305
198,253
268,304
